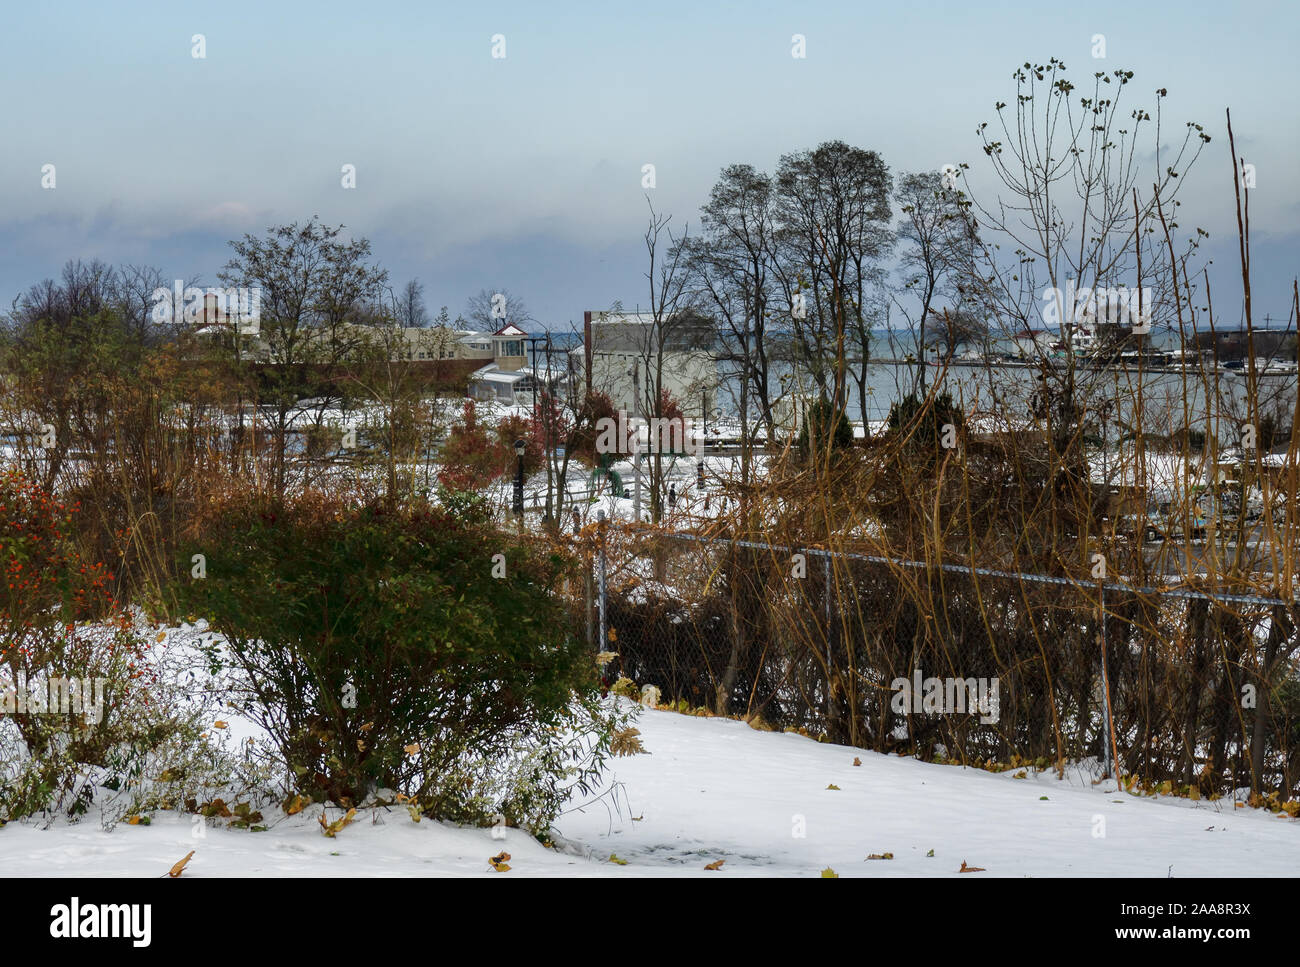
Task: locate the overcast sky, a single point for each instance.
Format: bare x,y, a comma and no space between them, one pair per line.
524,172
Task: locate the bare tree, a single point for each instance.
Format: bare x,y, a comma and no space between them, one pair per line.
732,272
312,284
489,311
833,212
409,309
930,230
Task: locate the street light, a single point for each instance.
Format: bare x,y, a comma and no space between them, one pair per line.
520,446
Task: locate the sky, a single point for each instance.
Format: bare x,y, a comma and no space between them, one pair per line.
524,172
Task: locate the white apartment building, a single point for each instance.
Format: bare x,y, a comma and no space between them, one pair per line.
622,350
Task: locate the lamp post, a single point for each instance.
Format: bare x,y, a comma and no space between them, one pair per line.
519,481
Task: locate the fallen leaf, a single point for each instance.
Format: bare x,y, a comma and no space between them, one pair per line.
499,862
134,821
415,812
857,761
217,807
175,871
931,853
333,828
717,865
162,636
970,869
613,858
296,805
880,856
829,874
833,786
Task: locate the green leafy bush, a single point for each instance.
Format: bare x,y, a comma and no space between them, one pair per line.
416,650
821,421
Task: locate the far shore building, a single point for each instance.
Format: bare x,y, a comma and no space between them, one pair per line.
1034,342
445,356
509,378
624,351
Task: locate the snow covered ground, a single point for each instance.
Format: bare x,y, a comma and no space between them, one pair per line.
714,789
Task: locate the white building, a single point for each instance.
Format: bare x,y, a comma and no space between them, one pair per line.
625,350
509,378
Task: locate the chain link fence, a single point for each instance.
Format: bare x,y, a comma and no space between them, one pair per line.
1197,687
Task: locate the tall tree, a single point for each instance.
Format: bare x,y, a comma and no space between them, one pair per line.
731,264
832,207
931,230
313,282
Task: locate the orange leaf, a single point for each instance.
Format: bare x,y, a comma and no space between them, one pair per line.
499,861
175,871
715,866
970,869
857,761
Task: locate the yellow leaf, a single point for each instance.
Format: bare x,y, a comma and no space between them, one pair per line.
367,727
715,866
833,786
175,871
361,745
220,725
881,856
162,636
605,657
333,828
415,812
613,858
297,805
499,862
829,874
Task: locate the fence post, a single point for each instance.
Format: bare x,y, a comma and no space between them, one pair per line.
600,552
586,584
1107,734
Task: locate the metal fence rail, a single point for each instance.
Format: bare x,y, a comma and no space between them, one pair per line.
1101,668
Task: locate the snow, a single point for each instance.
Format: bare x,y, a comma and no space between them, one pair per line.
715,789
